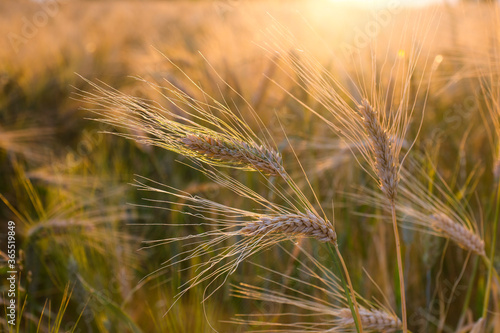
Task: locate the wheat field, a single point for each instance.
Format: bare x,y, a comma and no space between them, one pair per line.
243,166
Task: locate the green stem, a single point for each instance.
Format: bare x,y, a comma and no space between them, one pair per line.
469,292
488,264
400,268
492,253
353,305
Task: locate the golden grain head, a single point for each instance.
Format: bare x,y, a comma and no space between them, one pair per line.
386,161
235,152
371,320
308,224
464,237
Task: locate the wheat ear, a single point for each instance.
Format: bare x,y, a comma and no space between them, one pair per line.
372,320
219,142
300,224
235,152
458,233
386,162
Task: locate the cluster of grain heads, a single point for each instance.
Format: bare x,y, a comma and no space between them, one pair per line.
219,138
377,128
427,203
232,144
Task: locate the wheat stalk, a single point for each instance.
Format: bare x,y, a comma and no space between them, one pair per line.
458,233
372,320
307,224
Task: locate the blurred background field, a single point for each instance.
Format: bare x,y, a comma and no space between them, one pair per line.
65,183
